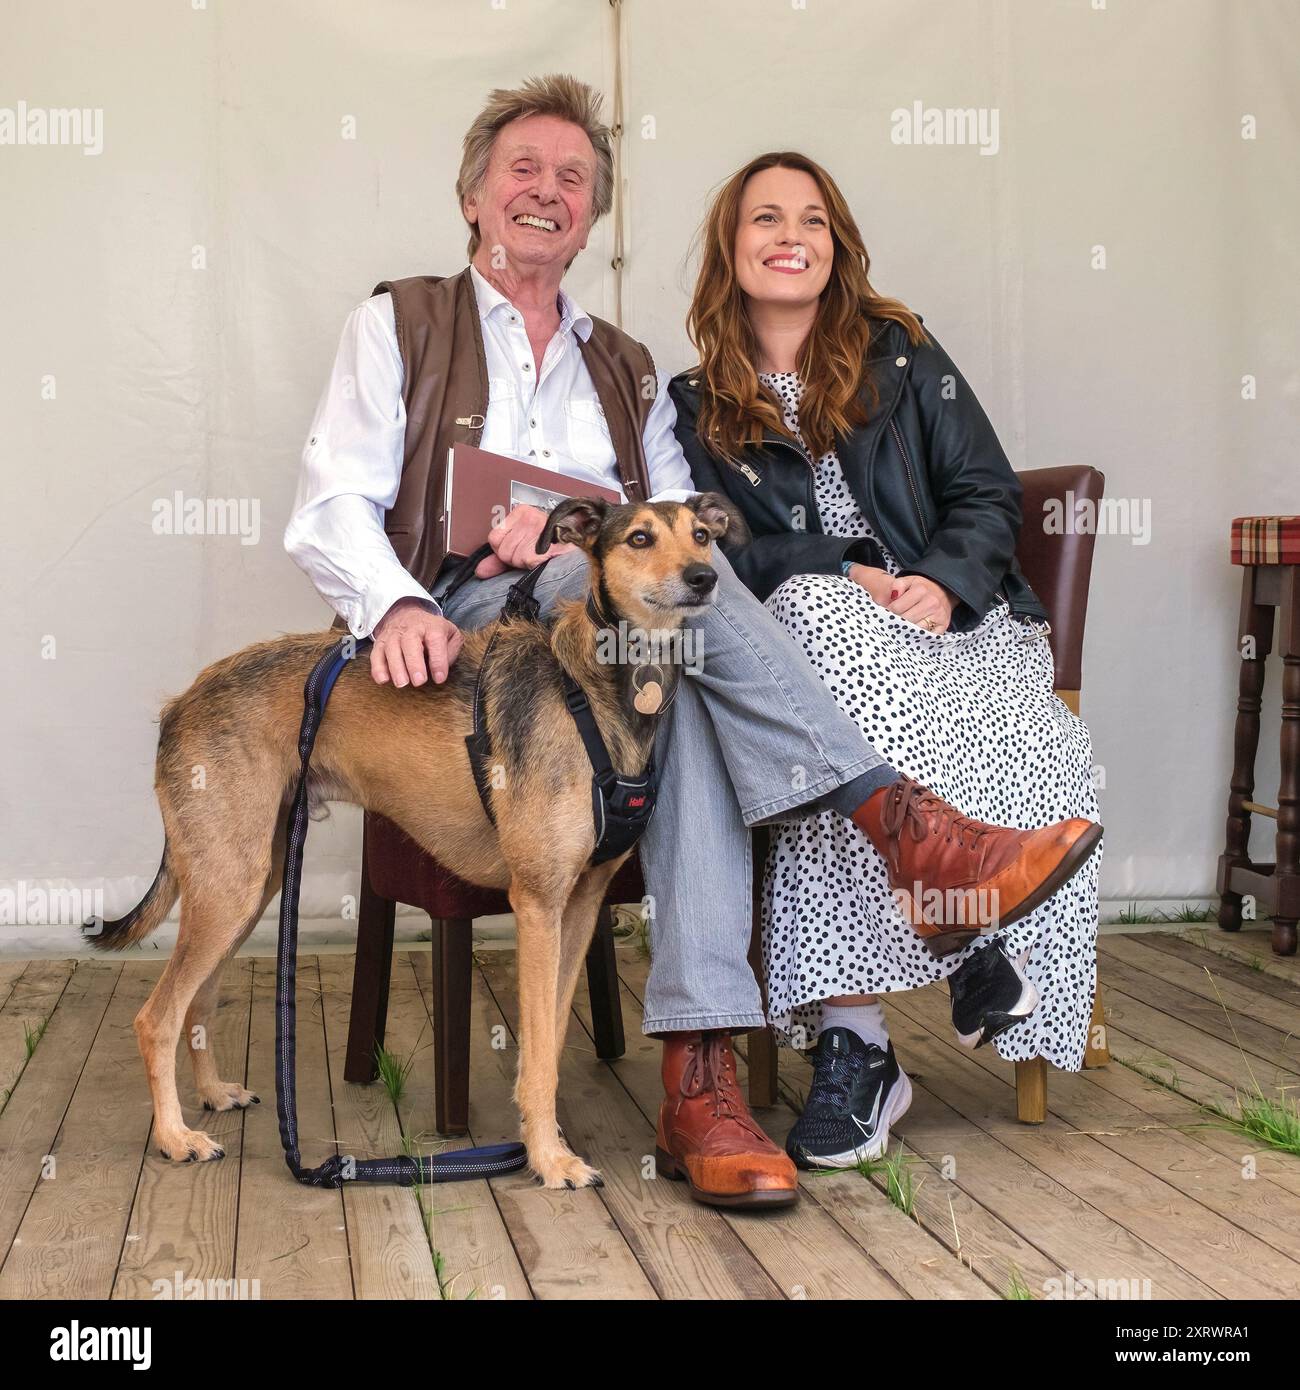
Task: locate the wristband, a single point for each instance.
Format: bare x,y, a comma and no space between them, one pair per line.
846,567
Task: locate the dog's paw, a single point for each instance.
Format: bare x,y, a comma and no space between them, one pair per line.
190,1146
228,1095
564,1170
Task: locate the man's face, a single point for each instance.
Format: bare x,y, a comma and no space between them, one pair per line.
534,207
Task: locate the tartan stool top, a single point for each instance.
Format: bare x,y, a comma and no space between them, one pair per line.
1266,540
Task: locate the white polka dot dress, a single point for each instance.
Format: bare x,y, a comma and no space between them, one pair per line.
973,716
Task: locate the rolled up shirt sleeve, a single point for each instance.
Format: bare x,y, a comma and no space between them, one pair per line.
351,470
670,474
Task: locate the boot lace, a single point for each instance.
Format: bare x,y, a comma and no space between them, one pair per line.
910,805
712,1071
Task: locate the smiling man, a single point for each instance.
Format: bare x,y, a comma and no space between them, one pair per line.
499,356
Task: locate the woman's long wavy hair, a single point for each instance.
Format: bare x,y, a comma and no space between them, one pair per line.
734,405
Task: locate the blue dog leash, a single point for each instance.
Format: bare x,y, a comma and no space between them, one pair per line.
457,1166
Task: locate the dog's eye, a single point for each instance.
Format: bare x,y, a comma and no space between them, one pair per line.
701,536
639,538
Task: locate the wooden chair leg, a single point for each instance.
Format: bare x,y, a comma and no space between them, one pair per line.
1031,1091
370,976
1287,869
1096,1051
761,1049
453,964
1255,641
602,985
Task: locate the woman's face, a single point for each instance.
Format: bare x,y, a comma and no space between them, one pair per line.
784,248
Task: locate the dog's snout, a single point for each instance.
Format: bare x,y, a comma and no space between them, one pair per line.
700,578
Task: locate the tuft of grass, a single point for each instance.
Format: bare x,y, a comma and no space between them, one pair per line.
1017,1290
33,1036
1270,1120
393,1072
1255,963
901,1185
1188,913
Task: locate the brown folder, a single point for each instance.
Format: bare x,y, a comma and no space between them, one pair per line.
483,488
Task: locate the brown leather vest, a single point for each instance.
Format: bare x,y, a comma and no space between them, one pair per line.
445,392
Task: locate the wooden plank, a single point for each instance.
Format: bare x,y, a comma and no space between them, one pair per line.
1266,1049
292,1240
1155,1029
72,1231
11,971
389,1249
32,992
1223,967
686,1250
1241,1002
1212,1178
1045,1215
802,1247
467,1236
183,1215
566,1242
1181,1111
1245,946
35,1111
1211,1250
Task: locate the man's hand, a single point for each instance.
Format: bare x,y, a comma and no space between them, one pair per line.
514,543
411,644
921,601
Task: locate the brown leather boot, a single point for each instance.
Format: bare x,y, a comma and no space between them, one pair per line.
953,877
707,1135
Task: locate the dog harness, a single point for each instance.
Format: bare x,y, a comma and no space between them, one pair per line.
621,807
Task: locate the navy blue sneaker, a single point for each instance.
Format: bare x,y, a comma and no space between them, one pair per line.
858,1090
990,992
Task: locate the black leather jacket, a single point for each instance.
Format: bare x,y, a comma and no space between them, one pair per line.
926,469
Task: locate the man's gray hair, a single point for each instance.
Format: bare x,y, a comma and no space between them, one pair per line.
556,95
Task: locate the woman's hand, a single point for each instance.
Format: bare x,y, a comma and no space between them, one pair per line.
911,596
876,582
921,601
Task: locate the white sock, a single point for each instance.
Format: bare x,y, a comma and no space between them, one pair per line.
866,1020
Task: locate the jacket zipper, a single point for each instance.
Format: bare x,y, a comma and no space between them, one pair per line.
911,481
812,469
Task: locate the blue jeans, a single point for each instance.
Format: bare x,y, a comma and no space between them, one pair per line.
752,735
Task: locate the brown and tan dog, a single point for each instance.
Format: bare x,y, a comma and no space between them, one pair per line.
402,753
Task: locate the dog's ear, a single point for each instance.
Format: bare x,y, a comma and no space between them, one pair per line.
576,521
721,518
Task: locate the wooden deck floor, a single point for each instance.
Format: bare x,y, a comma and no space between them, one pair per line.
1128,1180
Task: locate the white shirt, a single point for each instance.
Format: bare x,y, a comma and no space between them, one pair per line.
352,462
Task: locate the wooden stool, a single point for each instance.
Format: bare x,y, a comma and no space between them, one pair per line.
1268,547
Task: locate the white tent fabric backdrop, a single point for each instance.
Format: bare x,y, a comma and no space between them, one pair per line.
1115,271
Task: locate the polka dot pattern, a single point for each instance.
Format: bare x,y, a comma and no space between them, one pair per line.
973,716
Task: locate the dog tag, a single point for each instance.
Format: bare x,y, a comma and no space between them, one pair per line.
648,698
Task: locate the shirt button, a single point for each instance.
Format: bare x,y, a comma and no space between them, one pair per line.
528,366
900,362
532,425
546,453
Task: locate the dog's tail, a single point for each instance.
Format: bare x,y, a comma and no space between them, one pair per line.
143,918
